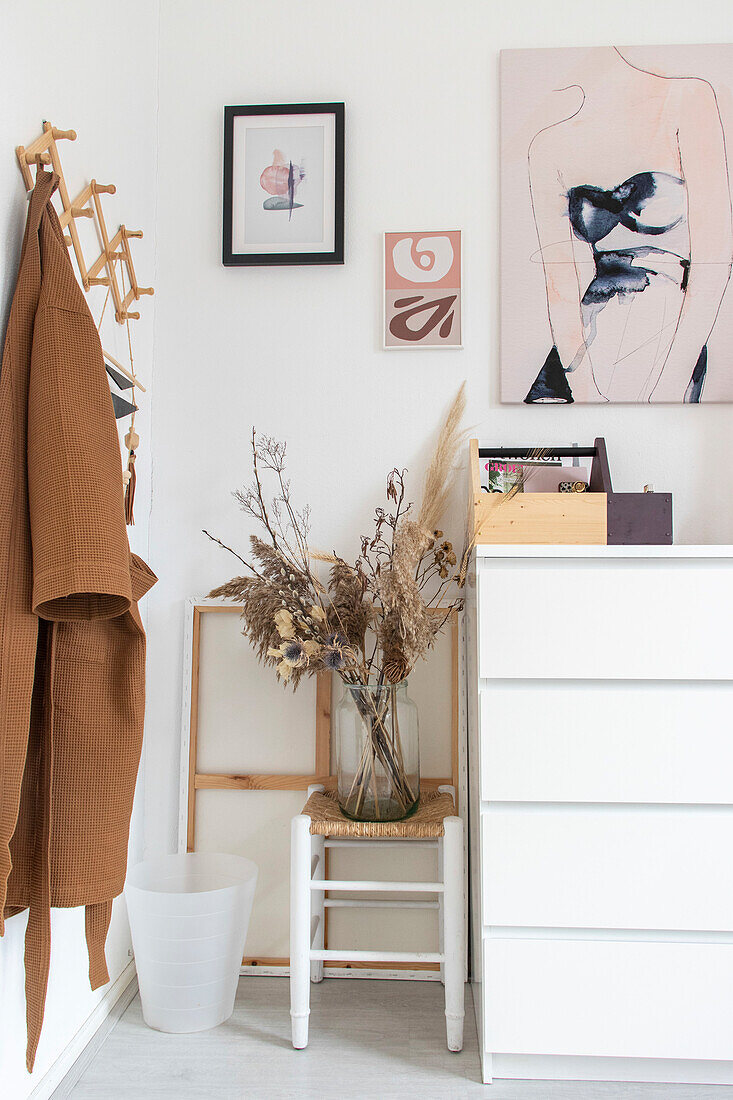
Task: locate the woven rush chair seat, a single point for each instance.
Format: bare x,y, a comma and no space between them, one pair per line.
327,819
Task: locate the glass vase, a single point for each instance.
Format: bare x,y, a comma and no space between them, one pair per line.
378,753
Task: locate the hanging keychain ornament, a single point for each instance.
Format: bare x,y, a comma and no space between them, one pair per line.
132,439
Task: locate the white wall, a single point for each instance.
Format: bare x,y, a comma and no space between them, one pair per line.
86,67
295,351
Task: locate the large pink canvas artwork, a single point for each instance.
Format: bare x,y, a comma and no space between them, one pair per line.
616,228
422,289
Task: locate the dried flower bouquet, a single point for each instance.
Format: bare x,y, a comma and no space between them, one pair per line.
369,621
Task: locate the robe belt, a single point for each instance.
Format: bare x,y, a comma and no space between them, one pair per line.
38,931
96,922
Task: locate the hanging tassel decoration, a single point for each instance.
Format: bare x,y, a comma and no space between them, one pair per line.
132,442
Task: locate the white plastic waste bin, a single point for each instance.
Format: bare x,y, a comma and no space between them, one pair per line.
189,916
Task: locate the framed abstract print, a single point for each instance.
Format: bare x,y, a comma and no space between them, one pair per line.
422,289
284,184
616,228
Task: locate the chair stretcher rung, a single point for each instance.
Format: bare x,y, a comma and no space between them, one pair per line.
377,903
408,887
381,842
379,956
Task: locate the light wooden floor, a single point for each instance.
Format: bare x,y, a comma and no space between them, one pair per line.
370,1040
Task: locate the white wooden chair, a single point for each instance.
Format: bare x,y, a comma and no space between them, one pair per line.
321,825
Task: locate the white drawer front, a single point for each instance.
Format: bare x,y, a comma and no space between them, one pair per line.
613,999
608,619
600,742
608,868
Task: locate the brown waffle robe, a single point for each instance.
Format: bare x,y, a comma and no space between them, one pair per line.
72,646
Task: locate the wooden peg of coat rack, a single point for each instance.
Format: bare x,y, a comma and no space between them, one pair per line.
44,151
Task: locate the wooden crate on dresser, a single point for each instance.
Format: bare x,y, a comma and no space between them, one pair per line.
593,518
600,712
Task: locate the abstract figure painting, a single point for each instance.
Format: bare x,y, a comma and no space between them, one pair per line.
422,290
284,184
617,235
280,180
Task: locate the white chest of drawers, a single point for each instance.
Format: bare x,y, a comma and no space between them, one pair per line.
601,806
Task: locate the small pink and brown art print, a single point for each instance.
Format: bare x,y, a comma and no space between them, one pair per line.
422,289
616,226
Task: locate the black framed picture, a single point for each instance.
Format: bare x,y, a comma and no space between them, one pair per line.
284,184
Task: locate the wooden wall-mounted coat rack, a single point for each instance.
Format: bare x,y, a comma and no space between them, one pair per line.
103,271
88,204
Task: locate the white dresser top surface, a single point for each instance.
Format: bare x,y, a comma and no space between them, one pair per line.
710,550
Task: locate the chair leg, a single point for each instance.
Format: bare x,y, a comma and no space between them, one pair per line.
441,910
318,908
300,928
453,931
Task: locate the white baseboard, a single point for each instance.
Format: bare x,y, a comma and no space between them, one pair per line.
65,1072
554,1067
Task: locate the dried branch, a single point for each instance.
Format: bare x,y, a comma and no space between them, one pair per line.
372,620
